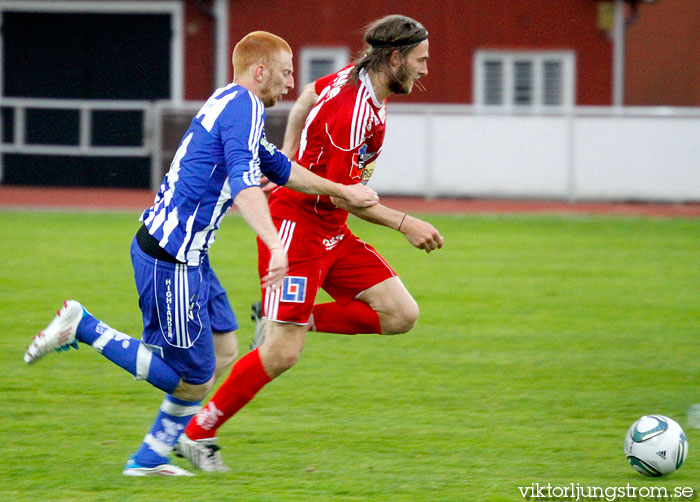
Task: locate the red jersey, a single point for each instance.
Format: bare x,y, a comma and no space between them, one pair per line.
341,140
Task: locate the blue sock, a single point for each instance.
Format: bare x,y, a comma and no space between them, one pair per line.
128,353
173,417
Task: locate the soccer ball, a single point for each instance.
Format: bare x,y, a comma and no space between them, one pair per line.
655,445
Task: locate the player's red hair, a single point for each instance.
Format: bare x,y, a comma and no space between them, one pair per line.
255,48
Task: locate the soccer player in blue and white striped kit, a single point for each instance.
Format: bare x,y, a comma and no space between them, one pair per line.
188,338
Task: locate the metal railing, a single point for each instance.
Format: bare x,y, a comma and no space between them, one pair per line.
152,143
85,145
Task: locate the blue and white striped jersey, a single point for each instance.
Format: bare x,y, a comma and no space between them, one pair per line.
223,152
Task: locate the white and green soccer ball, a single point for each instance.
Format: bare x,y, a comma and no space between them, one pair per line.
656,445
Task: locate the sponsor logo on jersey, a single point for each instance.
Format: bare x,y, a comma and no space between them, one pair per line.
294,289
362,165
268,146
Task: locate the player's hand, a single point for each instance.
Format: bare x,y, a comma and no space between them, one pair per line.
277,269
421,234
266,185
359,195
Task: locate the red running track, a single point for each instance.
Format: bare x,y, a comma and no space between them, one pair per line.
137,200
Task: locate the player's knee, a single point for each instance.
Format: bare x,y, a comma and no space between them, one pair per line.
402,319
286,358
278,358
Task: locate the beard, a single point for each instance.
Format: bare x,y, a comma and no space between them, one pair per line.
267,98
269,101
400,81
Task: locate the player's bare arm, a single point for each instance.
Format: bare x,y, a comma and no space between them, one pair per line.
356,195
296,120
419,233
253,207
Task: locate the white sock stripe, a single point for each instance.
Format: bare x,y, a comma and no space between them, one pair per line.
143,362
157,446
103,340
178,410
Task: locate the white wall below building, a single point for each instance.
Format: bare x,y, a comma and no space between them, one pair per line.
588,154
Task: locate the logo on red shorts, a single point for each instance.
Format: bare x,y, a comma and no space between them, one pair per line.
294,289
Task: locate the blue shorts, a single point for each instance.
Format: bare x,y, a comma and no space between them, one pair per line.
181,305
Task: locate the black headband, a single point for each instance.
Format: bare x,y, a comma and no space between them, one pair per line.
400,43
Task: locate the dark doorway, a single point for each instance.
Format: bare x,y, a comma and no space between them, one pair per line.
84,56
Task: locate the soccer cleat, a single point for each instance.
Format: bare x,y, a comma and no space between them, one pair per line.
133,468
203,453
256,316
58,335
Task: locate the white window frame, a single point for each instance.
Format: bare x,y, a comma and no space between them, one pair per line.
537,58
340,56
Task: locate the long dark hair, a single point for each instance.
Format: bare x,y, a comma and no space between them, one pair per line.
383,37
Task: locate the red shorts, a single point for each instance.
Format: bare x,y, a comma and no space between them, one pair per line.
342,265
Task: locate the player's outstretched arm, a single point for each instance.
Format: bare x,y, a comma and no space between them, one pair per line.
304,181
253,207
419,233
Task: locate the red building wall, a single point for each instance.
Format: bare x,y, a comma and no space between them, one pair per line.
457,29
199,52
663,55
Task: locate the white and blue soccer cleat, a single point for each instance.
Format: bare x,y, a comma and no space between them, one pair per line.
133,468
58,335
203,453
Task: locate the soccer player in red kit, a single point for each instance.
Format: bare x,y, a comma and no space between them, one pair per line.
337,125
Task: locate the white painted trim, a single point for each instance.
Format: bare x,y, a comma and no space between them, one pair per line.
618,90
121,7
173,8
221,53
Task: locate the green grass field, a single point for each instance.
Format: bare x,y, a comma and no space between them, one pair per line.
541,339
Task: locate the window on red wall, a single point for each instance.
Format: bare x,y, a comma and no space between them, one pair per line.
316,62
524,80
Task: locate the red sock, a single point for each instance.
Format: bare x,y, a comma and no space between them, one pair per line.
349,318
247,377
